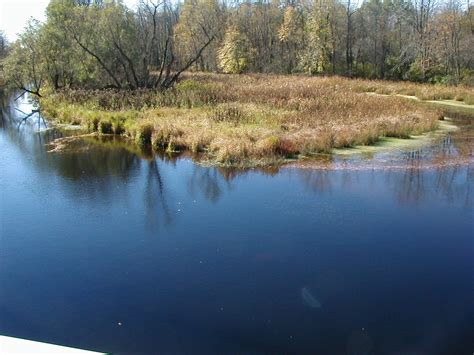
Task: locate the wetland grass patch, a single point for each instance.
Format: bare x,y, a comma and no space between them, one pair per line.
249,120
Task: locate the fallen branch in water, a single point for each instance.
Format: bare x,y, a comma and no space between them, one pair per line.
63,144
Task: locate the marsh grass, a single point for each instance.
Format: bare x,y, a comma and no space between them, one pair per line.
249,120
422,91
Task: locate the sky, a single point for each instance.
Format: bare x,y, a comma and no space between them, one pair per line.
14,14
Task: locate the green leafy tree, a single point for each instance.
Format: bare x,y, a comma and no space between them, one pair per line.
199,21
3,45
291,34
24,68
322,39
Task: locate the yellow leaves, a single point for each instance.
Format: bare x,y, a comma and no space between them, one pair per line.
288,26
233,55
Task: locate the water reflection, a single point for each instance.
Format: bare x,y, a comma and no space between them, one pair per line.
412,186
209,182
104,162
309,299
318,181
187,257
157,208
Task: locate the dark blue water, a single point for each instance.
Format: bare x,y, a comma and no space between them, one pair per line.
104,250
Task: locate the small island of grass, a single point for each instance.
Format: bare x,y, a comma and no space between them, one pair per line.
248,120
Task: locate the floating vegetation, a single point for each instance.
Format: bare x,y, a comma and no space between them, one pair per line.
380,164
391,143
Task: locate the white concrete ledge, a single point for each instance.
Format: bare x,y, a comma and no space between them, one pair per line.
13,346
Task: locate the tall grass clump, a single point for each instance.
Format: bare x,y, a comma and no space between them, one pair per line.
144,134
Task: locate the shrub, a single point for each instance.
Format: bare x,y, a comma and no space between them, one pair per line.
227,113
144,134
93,123
268,145
105,127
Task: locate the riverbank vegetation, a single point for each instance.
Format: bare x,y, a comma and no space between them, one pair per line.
214,77
3,54
245,120
94,44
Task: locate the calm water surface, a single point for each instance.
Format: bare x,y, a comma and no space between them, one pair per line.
104,250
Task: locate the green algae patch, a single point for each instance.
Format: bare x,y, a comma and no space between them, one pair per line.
389,143
452,109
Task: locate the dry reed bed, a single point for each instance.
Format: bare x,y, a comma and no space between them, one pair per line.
246,120
422,91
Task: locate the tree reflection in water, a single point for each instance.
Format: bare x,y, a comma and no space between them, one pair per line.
410,186
154,196
318,181
104,163
207,181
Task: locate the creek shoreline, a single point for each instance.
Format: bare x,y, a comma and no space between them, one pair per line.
249,121
353,159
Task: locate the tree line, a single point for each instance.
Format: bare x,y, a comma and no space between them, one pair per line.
99,43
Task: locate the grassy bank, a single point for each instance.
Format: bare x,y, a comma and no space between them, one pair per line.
460,93
247,120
